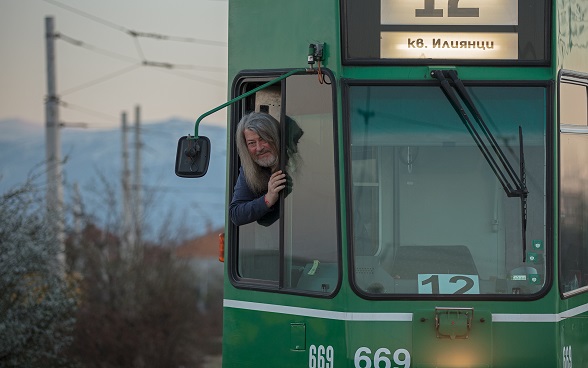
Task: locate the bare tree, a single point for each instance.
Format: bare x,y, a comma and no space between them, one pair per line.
138,309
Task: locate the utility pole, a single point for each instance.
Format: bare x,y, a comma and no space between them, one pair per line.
127,231
78,213
138,198
54,196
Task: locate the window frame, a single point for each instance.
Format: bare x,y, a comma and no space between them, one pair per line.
581,79
237,111
549,86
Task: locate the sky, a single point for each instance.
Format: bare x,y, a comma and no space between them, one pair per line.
100,71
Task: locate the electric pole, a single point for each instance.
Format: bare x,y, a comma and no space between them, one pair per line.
138,200
54,196
127,220
78,213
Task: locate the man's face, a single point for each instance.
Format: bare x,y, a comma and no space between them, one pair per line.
260,150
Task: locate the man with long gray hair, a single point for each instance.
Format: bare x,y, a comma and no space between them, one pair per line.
260,181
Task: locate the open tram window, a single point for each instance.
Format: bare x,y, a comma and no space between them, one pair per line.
299,251
573,216
446,225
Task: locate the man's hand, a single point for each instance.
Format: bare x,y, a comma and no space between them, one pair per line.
276,183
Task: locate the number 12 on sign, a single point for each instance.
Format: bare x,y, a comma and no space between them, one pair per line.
453,10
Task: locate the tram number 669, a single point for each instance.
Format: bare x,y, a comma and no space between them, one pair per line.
363,358
320,357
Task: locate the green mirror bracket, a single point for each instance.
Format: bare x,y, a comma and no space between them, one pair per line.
246,94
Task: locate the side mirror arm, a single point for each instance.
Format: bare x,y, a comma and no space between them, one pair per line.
244,95
193,153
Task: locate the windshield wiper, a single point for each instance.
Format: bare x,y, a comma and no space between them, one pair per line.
514,185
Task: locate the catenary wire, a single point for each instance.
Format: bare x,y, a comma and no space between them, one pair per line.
126,58
148,63
104,78
86,110
85,45
133,33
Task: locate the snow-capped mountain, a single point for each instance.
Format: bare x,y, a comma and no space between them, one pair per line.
93,161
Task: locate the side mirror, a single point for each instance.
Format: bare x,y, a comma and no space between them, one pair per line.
192,157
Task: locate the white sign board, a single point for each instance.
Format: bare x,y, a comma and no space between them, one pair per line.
449,12
448,284
449,45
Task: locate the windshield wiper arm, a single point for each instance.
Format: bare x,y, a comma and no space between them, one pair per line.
520,187
524,193
519,182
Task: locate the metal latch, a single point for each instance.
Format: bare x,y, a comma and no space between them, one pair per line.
453,323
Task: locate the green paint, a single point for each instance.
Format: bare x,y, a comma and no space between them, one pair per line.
268,34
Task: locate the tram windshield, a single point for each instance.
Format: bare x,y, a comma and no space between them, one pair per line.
429,214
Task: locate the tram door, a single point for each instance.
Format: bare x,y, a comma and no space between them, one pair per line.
573,215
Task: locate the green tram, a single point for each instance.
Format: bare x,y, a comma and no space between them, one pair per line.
438,211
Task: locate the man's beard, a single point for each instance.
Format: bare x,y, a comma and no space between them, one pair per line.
267,161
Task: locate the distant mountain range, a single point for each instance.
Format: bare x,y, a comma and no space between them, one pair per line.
173,206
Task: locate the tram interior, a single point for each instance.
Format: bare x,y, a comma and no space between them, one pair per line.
424,211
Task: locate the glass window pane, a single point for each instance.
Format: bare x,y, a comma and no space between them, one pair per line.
573,104
310,230
573,212
259,251
435,215
366,191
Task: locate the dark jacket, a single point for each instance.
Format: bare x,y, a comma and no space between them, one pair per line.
247,207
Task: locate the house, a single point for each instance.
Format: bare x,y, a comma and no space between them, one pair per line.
202,254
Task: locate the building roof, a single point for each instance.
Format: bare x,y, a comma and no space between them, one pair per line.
205,246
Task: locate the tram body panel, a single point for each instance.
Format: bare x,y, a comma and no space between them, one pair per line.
289,340
572,42
398,246
261,37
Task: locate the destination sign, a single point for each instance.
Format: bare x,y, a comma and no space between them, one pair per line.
450,12
435,45
507,32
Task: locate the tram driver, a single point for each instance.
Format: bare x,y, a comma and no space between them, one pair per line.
260,181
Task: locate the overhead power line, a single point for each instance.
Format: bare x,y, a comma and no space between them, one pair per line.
143,60
88,16
86,110
137,63
85,45
176,38
134,33
101,79
139,48
213,82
